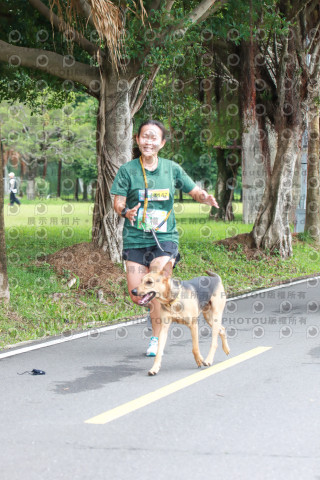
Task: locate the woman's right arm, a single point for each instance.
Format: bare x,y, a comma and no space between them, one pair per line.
119,203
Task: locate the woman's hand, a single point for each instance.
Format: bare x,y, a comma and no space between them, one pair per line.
209,200
202,196
132,213
119,205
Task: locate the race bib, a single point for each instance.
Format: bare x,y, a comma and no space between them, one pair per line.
155,195
152,220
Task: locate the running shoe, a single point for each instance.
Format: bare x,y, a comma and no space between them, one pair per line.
153,347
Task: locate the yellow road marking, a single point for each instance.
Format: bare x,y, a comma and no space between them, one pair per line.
173,387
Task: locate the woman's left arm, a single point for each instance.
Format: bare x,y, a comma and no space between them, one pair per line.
201,196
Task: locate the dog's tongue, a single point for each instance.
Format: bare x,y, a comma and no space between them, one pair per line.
145,299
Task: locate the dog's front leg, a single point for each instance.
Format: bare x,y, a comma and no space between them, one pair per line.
163,335
193,325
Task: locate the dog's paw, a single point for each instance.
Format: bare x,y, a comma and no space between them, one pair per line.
152,373
206,364
199,361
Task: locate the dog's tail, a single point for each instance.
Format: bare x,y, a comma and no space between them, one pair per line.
211,274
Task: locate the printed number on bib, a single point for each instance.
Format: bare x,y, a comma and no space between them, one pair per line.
155,195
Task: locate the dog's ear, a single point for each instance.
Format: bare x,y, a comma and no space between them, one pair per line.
167,270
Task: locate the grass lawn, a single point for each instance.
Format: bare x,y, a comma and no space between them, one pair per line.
45,226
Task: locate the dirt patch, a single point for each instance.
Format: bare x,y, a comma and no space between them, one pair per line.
89,263
247,243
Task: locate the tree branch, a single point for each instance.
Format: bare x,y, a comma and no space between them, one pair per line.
213,10
169,5
275,51
202,11
197,15
310,8
139,102
315,62
136,87
268,74
63,27
316,29
299,29
299,7
229,75
155,5
281,77
86,10
50,62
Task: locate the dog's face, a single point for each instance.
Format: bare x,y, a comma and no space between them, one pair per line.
154,285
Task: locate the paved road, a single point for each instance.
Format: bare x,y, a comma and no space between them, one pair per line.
257,419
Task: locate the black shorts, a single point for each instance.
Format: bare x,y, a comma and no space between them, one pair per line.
144,256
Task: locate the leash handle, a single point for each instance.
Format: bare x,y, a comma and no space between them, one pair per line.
35,371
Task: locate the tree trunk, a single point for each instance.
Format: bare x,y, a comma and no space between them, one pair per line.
312,225
4,285
93,190
226,179
59,178
271,230
297,194
231,185
31,189
76,192
45,166
253,158
31,172
114,148
85,192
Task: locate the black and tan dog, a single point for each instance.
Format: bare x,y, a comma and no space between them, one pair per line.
182,302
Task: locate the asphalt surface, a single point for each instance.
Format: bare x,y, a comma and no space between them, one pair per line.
257,419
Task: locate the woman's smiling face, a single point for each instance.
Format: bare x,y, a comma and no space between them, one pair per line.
150,140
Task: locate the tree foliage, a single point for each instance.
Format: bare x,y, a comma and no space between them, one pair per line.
42,136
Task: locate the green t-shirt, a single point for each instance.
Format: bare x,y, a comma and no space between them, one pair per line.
162,183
